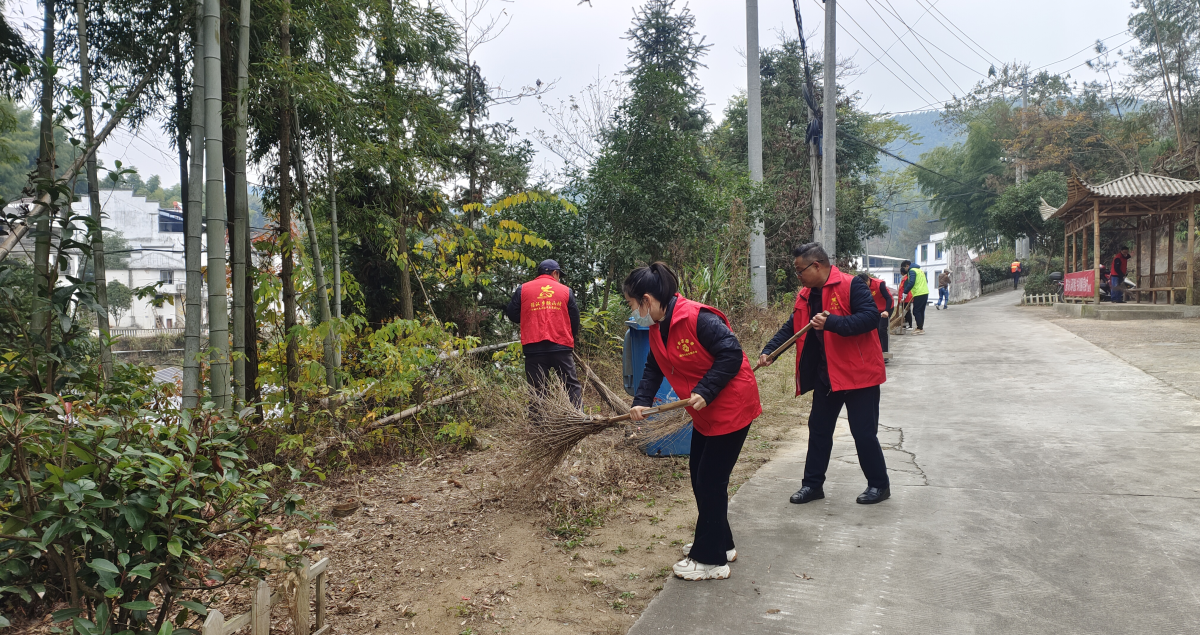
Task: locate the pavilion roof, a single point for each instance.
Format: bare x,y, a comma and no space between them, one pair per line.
1129,186
1046,209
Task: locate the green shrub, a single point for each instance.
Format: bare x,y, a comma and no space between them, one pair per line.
112,501
995,266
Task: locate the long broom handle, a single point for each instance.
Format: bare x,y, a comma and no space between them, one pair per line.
667,407
788,344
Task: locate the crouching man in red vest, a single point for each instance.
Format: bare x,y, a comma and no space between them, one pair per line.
693,347
840,360
549,318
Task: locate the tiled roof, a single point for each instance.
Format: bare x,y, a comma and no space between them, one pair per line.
1142,184
1128,186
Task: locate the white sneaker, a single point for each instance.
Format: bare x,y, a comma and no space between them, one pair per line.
730,555
689,569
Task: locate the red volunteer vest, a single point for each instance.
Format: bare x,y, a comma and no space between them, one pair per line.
685,362
544,314
877,294
904,297
853,362
1118,265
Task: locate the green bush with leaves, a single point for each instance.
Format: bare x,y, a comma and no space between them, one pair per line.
113,503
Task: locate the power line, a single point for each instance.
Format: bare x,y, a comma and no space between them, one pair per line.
900,39
868,67
877,59
1095,58
1082,50
916,165
955,35
934,8
912,29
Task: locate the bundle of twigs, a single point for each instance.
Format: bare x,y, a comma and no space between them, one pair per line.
555,426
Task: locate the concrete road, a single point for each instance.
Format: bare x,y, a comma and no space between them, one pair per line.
1028,496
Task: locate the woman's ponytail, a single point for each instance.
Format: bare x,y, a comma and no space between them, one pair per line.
657,280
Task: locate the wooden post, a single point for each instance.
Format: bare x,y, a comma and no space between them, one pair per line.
1171,258
300,615
1191,249
1096,249
214,624
321,577
1137,258
260,610
1153,255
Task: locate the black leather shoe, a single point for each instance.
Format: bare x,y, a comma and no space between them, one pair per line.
874,495
806,494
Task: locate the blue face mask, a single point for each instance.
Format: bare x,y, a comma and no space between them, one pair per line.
642,320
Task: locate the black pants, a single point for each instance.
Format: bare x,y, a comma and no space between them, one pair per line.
862,408
711,463
908,311
883,328
920,303
539,365
1016,279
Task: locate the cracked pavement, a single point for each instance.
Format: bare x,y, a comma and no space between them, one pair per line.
1040,484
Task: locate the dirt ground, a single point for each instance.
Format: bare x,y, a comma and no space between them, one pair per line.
1167,349
445,546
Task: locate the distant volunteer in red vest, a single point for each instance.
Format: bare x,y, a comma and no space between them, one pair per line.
549,318
883,302
694,348
841,361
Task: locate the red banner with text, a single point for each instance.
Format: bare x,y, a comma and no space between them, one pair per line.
1080,284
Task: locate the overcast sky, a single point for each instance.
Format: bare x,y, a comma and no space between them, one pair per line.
950,46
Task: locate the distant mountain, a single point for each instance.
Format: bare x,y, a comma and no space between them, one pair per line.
924,124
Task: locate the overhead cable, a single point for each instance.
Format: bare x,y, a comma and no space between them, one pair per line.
900,39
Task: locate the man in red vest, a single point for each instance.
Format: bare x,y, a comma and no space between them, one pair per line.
841,361
1117,273
883,302
549,318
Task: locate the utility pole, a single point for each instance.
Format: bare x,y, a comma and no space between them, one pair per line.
1022,243
810,96
758,242
829,135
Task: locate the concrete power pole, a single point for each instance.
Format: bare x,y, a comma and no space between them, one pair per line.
1022,243
829,134
758,242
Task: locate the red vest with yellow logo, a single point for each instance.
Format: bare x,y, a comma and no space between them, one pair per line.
853,362
684,363
877,295
544,315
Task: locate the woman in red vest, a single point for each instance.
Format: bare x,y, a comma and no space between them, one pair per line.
695,350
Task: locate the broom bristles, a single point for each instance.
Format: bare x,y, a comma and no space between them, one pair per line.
553,427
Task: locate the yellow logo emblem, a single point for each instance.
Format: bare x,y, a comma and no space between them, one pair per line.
547,292
833,303
686,347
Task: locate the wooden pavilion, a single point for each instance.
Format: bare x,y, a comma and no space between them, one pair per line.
1145,207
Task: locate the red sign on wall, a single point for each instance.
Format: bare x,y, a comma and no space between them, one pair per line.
1080,284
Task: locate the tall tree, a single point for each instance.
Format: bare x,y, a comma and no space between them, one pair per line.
314,245
652,176
285,205
43,274
214,208
93,185
239,238
193,215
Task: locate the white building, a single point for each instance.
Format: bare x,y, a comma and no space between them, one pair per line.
935,256
886,268
155,238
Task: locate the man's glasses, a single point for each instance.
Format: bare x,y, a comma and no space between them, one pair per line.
800,272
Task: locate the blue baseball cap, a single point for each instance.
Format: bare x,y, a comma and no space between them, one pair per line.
547,266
